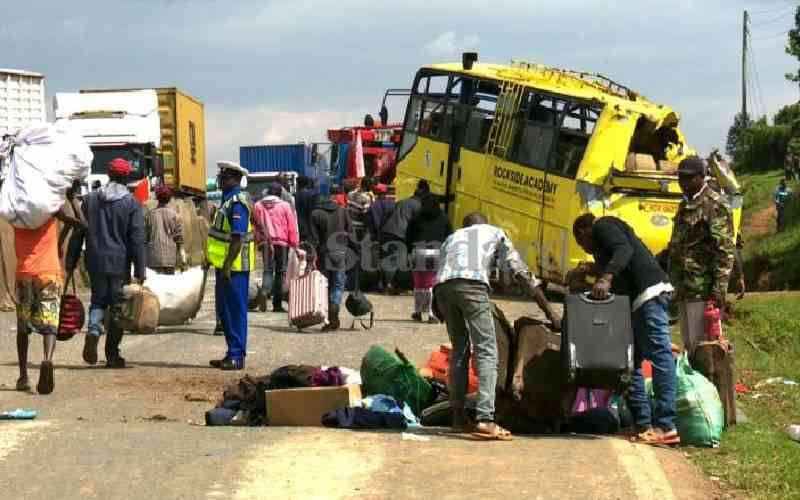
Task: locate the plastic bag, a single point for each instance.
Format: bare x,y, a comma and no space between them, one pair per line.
44,161
178,294
701,418
384,373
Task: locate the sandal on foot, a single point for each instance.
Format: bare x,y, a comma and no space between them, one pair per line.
23,385
46,378
657,437
490,431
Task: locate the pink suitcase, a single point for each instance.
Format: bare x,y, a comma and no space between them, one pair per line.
308,300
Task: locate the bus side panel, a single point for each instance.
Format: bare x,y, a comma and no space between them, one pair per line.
650,217
512,198
426,160
469,175
559,251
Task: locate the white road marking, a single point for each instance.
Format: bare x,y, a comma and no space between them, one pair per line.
643,469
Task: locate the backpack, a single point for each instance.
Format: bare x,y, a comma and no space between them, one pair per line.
358,305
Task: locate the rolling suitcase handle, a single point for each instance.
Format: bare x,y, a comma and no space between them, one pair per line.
587,297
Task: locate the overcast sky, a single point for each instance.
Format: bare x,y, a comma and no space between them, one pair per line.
283,71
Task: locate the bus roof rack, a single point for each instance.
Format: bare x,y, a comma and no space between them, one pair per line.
595,79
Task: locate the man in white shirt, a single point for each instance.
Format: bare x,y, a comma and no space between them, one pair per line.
462,297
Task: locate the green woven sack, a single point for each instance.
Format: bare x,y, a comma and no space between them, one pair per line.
700,414
385,373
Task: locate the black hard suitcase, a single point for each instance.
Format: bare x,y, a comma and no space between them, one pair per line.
597,342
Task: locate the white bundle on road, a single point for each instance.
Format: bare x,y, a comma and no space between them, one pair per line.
178,294
41,163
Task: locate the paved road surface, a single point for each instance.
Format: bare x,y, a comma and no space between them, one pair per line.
96,436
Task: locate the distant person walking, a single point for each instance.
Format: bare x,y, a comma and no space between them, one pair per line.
164,235
782,196
303,204
276,232
426,234
115,238
332,234
394,235
378,214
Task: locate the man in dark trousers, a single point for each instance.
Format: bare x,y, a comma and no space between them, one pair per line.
625,266
232,253
331,233
394,234
115,237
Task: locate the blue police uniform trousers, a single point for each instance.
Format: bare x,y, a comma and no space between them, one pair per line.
231,302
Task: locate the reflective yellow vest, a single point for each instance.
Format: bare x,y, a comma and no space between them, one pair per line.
219,237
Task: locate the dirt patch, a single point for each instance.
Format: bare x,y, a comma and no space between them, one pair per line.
759,223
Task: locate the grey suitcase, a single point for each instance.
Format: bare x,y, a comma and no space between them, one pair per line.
597,342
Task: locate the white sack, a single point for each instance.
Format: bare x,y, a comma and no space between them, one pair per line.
44,162
178,294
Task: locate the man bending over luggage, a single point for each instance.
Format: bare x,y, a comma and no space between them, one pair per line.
626,267
462,297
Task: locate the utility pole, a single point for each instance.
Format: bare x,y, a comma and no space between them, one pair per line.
744,65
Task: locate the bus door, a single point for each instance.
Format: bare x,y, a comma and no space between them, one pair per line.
561,203
425,148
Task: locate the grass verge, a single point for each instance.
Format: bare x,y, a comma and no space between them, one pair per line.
758,458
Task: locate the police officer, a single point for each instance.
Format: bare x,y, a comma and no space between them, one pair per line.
702,249
231,251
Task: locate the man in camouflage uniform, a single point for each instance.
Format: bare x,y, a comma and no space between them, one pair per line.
702,249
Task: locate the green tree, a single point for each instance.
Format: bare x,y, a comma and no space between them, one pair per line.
740,123
793,46
787,115
762,147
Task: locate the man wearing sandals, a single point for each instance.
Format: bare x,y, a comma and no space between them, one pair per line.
462,298
625,266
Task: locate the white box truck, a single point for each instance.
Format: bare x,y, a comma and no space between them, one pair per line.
22,101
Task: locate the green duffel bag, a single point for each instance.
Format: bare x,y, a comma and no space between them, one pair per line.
385,373
700,415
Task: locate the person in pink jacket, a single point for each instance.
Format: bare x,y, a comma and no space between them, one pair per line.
276,231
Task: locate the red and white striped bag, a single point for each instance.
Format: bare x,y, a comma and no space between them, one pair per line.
308,300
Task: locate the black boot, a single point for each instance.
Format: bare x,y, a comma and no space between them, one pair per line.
113,340
333,319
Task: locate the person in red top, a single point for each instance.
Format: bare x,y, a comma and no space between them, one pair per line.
338,195
40,280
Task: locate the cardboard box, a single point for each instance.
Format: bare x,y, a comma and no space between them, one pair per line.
306,406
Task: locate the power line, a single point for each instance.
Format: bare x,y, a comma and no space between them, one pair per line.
757,80
791,4
770,37
784,16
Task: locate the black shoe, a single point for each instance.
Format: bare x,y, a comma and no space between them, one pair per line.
216,363
115,363
333,319
432,320
219,330
232,364
416,316
46,378
90,348
278,309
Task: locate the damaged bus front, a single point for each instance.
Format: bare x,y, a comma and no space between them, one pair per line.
534,147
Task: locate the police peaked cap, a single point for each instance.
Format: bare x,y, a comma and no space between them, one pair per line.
229,166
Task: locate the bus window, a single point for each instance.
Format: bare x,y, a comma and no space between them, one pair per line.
434,121
537,130
411,128
480,121
576,129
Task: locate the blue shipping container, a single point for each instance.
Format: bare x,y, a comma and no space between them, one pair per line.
275,158
289,158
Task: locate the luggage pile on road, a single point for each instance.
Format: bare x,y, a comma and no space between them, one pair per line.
539,391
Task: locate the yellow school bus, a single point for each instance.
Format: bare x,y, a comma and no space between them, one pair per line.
533,147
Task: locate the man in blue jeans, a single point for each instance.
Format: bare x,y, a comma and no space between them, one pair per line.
625,266
331,235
